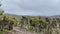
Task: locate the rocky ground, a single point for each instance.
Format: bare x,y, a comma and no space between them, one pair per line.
17,30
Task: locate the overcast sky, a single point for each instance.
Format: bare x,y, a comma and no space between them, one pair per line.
32,7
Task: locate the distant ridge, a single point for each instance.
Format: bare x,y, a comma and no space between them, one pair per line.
54,16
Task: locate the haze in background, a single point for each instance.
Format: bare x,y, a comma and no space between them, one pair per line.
31,7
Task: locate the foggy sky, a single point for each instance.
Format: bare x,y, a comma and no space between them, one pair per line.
32,7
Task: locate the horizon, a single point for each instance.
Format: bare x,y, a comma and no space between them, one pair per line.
30,15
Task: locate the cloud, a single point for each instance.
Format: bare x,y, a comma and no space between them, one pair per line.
32,7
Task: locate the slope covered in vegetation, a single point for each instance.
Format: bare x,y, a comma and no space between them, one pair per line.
37,24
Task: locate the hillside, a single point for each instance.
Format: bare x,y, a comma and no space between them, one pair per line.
32,24
20,16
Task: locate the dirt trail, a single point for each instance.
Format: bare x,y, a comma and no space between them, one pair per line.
17,30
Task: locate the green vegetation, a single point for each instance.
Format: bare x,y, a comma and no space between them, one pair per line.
6,22
31,23
39,24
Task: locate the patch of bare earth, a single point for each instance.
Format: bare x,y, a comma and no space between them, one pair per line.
17,30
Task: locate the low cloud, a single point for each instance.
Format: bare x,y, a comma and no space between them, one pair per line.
32,7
